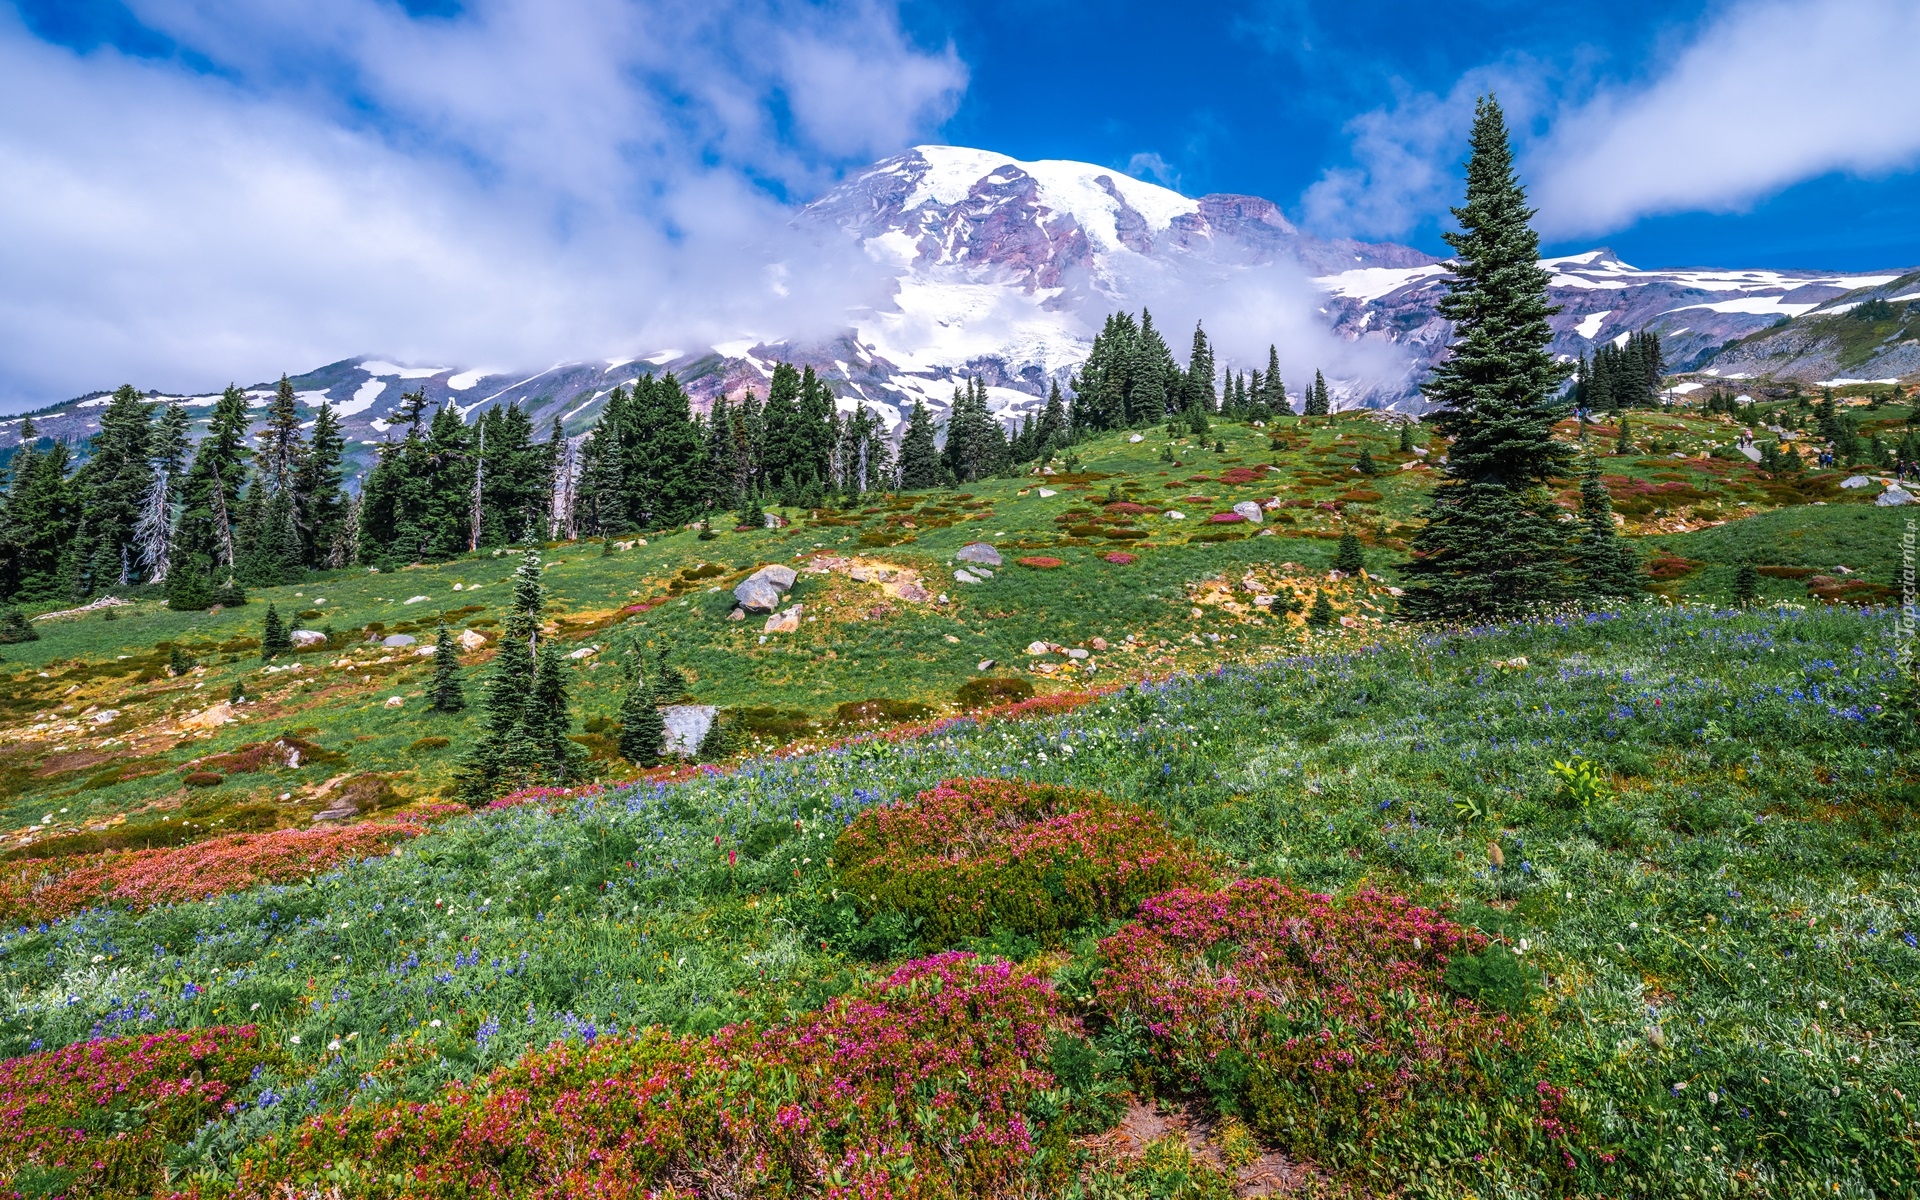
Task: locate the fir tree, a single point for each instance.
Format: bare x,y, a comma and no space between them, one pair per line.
1349,559
1320,616
1366,464
318,507
1746,585
445,693
179,662
1604,567
37,532
919,456
274,635
1406,438
112,487
1625,444
210,497
1318,402
281,444
504,751
1276,395
1493,542
14,628
230,594
643,732
1196,393
187,588
547,721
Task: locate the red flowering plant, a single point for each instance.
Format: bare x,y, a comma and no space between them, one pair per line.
1238,475
47,890
1041,562
930,1083
1226,518
978,856
1328,1026
1120,558
95,1118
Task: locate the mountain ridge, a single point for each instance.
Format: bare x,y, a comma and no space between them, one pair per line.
1002,268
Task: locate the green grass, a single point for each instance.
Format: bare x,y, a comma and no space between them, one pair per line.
856,645
1744,885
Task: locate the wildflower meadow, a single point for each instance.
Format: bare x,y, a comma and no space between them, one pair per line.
1610,904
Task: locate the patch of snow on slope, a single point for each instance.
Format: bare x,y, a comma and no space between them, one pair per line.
735,349
376,366
660,359
1903,299
1755,305
1682,389
1590,325
1371,283
466,379
362,399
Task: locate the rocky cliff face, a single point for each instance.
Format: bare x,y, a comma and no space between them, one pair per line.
1004,269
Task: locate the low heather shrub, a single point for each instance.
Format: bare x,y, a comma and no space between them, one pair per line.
1327,1024
94,1119
977,856
50,889
925,1085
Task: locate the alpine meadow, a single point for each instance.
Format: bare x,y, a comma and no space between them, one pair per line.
1103,760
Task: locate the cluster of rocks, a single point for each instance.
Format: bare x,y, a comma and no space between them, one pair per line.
980,559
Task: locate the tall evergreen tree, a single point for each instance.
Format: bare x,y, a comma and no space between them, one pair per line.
1276,394
275,638
445,694
1197,390
319,510
1493,542
1319,402
112,486
643,732
210,497
40,529
1604,567
509,682
281,444
919,455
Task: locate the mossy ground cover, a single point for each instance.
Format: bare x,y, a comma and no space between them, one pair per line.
1710,946
95,740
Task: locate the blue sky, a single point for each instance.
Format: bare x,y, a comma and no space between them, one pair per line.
197,188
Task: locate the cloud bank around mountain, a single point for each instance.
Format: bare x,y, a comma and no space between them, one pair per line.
524,181
1759,97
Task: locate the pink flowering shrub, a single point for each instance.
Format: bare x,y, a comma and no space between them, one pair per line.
974,856
1120,558
1327,1025
94,1119
920,1086
44,890
1041,562
1225,518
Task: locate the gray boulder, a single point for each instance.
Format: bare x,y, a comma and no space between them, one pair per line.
965,576
687,726
1249,510
1856,481
398,639
760,591
1894,497
978,552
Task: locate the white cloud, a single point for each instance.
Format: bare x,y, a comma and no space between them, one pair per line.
1766,96
1148,164
528,181
1763,95
1407,157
